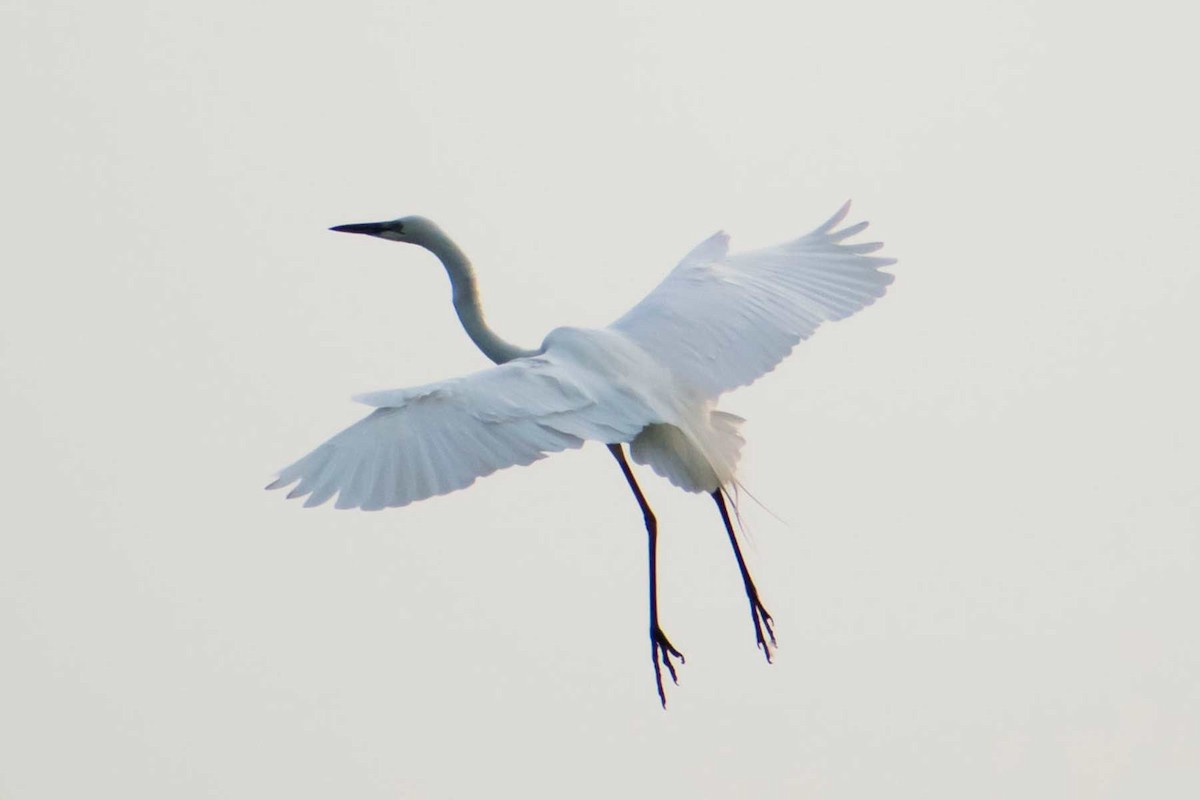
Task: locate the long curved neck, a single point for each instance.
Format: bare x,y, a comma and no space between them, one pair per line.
466,303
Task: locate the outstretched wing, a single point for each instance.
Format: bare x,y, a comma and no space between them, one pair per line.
721,321
435,439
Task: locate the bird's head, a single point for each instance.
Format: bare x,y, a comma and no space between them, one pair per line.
415,230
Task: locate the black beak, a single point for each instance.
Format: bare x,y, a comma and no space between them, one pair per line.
369,228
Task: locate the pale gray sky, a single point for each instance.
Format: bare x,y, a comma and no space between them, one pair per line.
985,580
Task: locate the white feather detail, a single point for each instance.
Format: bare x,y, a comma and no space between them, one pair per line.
433,439
651,378
720,321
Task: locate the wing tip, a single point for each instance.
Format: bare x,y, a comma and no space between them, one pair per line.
315,500
833,221
846,233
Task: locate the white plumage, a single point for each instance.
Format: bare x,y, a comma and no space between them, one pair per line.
721,321
716,322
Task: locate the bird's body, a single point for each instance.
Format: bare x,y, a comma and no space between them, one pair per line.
650,380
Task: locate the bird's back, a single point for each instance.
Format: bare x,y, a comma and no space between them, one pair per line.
686,440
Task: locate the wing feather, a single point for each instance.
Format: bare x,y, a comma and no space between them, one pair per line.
720,321
434,439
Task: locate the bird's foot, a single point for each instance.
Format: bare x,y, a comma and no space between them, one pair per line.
762,621
662,649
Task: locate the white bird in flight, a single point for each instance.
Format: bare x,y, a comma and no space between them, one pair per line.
649,380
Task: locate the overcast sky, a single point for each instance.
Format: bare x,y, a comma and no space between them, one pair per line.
979,497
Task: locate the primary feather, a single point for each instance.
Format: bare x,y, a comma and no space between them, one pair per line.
720,321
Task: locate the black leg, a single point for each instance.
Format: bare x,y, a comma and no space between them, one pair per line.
757,612
660,646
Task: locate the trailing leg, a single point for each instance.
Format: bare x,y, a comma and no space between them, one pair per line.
661,648
762,619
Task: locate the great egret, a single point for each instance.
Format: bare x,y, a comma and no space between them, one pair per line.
650,380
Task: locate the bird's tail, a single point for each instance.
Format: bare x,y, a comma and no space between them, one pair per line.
701,458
